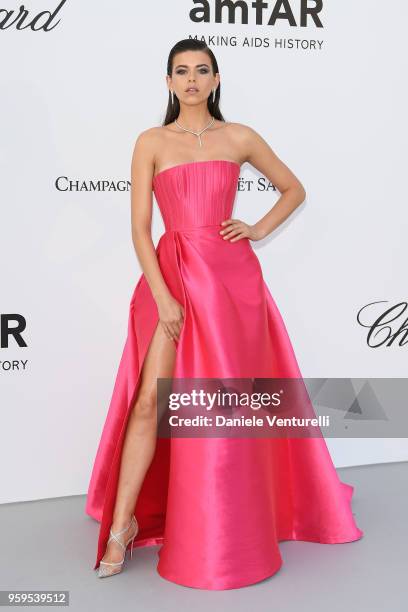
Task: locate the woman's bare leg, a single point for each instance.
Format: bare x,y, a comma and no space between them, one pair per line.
140,437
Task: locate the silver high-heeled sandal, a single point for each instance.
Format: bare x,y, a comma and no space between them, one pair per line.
103,570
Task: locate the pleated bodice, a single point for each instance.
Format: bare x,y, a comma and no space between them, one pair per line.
197,193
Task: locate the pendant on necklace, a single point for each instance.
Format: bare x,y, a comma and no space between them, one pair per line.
198,134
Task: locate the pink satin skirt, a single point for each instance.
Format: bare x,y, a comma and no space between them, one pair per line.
218,506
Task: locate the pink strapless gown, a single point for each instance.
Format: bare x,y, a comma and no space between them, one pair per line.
218,506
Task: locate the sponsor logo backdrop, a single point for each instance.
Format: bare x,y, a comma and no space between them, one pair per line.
322,84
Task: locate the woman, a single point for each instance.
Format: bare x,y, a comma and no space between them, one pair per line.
219,506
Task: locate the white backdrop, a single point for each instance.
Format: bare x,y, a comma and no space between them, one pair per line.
331,101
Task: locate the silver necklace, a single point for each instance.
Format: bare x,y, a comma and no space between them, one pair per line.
196,133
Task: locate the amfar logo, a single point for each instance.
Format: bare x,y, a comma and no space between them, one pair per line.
381,326
15,331
262,13
23,20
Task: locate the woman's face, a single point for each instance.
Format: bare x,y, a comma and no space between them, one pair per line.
192,78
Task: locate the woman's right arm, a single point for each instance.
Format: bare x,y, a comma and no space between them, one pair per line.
142,169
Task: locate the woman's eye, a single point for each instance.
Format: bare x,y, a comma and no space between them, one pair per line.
202,71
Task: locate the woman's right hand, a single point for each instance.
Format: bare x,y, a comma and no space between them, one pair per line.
171,315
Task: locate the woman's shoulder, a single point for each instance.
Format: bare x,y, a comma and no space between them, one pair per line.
148,141
242,133
153,136
241,128
151,133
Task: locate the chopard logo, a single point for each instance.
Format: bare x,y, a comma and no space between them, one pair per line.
260,12
23,19
385,328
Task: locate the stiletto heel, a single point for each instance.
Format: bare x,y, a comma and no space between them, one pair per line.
131,547
103,571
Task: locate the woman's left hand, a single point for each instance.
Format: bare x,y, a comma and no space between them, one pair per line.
235,229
